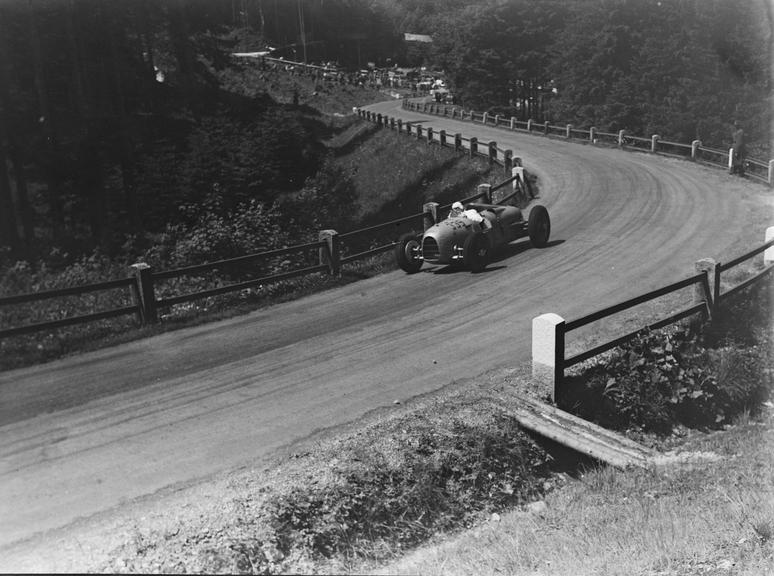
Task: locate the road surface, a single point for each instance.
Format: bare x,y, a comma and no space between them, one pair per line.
86,434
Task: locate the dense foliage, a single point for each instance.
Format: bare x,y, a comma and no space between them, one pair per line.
702,377
114,115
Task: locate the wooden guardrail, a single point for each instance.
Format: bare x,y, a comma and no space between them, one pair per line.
72,291
549,360
331,249
759,170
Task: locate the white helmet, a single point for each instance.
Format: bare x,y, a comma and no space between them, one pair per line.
457,206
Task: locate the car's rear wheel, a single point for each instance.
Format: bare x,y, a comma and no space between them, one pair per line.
539,226
407,253
475,253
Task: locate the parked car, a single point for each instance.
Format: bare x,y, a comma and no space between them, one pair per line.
468,239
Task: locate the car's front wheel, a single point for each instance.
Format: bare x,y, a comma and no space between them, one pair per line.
407,253
475,253
539,226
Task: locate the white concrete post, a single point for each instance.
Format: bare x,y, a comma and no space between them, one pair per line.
517,171
548,352
569,131
771,173
429,214
529,125
707,266
486,191
768,255
621,134
497,119
592,134
730,160
513,123
331,253
654,142
484,117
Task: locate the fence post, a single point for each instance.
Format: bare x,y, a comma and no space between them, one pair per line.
702,292
545,128
400,125
442,138
497,120
654,142
513,123
529,125
492,152
486,190
379,119
695,148
457,142
429,214
143,275
592,134
548,353
768,254
429,134
483,118
731,160
508,162
330,254
473,146
569,131
517,172
419,131
621,135
771,173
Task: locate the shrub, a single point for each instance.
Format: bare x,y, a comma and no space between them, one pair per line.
659,379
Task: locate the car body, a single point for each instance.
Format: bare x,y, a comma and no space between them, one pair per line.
468,239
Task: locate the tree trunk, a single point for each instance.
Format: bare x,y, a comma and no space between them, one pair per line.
47,122
9,232
10,210
125,148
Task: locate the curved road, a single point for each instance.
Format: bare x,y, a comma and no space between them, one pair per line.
88,433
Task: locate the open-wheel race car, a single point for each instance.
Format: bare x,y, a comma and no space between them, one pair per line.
469,235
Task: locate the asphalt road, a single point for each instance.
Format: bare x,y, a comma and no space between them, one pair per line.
90,433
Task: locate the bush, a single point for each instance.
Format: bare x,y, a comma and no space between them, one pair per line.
663,378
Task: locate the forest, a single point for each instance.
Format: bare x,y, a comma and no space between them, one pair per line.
118,121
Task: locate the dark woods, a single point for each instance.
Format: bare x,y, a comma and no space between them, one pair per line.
114,124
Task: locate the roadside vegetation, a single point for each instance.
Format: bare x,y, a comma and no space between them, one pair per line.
451,484
350,191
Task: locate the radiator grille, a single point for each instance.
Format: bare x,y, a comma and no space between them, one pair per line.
430,249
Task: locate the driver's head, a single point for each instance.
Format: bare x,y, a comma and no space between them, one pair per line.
457,206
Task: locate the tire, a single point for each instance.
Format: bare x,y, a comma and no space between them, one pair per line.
539,226
406,253
475,252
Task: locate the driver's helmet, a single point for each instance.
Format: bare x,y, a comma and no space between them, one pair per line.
457,207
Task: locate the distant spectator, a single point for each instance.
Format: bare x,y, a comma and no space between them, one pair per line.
740,150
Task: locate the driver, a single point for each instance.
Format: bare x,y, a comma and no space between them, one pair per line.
456,210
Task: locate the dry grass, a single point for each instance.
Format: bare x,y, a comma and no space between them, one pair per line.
711,517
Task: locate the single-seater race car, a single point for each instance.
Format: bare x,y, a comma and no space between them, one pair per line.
469,235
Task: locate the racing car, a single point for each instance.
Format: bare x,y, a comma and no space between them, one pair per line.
467,237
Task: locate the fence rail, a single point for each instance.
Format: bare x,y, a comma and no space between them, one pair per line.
549,333
759,170
143,284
